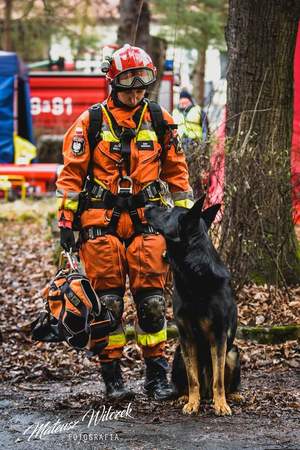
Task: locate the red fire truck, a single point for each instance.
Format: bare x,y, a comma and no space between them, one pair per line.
58,98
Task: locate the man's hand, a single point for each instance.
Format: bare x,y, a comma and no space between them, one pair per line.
67,239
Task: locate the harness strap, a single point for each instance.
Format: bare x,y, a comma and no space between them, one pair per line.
159,124
125,139
106,200
94,131
109,200
91,233
125,135
74,299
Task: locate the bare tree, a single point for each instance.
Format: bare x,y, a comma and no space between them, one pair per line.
134,29
257,233
7,26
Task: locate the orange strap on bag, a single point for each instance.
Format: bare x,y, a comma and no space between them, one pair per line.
74,313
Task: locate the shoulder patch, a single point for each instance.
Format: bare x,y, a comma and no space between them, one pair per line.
78,145
178,144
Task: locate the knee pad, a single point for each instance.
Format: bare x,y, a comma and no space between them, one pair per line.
114,302
151,310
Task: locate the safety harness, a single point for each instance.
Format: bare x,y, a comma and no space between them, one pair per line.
95,196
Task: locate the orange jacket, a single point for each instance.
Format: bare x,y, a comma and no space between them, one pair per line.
146,165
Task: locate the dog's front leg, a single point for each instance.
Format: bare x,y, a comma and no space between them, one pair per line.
189,353
218,356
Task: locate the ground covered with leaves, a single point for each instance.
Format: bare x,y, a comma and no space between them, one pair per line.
43,378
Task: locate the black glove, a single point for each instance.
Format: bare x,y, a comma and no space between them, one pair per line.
67,239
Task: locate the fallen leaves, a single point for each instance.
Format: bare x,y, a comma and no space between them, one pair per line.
26,264
268,305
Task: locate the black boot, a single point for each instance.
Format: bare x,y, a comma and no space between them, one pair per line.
156,384
112,377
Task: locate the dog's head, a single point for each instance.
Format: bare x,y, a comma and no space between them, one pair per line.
181,224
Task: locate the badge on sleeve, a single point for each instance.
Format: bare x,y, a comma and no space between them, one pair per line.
78,145
78,142
178,144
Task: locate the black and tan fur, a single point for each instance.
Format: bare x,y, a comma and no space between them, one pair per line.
204,308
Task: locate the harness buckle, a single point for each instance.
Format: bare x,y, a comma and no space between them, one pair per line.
91,234
125,190
151,191
98,191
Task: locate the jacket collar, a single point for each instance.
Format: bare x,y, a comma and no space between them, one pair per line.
123,116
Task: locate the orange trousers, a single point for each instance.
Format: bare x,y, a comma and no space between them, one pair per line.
107,263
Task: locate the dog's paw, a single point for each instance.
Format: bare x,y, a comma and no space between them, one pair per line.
192,407
222,408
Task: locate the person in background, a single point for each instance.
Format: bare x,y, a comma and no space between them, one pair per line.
193,132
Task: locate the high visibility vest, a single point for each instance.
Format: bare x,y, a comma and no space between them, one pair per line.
145,132
189,124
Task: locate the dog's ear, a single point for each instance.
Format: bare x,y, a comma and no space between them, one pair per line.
195,211
209,214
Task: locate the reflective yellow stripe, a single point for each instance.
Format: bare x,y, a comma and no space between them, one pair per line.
67,203
110,125
146,135
109,137
116,340
187,203
148,340
60,193
141,118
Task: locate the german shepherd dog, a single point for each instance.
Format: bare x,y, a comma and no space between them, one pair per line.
206,363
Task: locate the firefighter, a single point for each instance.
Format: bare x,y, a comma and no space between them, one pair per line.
193,133
130,160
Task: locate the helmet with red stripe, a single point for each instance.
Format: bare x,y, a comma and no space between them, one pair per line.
130,68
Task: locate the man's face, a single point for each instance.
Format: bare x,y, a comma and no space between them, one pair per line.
184,103
132,97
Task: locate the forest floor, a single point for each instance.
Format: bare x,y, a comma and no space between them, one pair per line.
51,385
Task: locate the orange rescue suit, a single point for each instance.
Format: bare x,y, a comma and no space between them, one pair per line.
106,259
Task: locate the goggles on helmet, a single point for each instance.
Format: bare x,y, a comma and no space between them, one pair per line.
135,78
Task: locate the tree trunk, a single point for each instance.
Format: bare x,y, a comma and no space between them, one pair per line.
257,228
134,29
200,76
7,40
158,48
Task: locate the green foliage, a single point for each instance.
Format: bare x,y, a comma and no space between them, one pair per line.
192,23
270,335
33,25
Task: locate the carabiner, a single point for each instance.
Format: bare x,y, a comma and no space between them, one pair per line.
125,190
